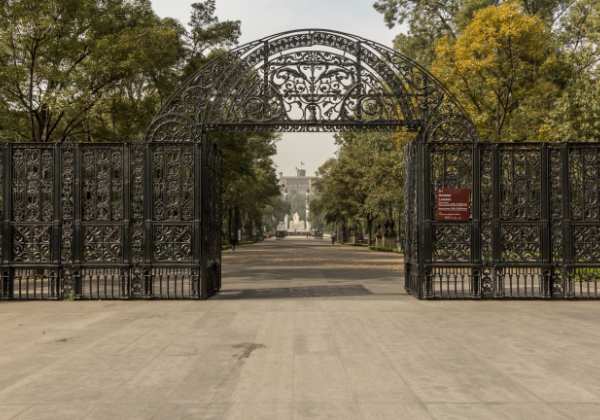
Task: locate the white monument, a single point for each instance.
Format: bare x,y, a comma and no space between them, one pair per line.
296,225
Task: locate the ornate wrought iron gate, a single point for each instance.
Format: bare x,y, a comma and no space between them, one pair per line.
534,224
110,221
101,221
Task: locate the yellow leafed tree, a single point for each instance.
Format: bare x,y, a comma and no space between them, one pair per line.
500,69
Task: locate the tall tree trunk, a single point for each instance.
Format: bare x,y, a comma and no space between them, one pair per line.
370,229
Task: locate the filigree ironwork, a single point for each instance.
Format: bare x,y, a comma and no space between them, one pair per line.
32,184
452,242
173,243
520,184
520,242
32,244
173,183
312,80
584,174
587,243
102,184
102,243
137,159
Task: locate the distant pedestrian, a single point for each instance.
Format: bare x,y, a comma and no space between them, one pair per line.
235,239
333,238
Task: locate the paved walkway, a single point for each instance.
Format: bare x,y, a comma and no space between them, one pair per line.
301,331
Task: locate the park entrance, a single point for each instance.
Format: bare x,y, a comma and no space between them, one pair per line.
118,221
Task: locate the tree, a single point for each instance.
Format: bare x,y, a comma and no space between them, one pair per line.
575,115
250,182
92,70
426,21
207,33
274,212
504,69
60,58
363,187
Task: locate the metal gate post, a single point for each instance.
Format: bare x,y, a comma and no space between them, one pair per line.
198,271
424,221
476,220
7,227
545,224
56,229
219,228
496,227
148,216
204,215
77,243
567,233
408,185
126,273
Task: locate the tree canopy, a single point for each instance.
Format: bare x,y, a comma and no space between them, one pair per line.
92,70
523,69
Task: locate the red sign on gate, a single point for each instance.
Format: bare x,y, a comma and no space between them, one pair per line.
453,204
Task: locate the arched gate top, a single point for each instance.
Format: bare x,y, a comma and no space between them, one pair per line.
312,80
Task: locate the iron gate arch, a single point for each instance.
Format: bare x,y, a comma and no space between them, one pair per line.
316,80
312,80
127,220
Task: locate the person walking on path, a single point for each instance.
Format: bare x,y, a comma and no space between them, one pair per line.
235,239
333,238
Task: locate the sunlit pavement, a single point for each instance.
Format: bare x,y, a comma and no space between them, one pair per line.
302,330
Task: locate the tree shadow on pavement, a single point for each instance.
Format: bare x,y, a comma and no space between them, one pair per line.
294,292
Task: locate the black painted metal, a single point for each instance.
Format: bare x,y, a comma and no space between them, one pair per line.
312,80
107,221
535,225
119,221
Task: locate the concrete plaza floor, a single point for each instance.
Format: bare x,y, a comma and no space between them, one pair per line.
302,330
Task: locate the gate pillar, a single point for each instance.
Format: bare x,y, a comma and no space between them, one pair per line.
424,215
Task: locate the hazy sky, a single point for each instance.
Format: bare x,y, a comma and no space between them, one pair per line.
266,17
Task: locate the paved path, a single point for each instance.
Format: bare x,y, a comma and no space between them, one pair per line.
301,331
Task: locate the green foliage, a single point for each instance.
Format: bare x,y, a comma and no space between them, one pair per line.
250,188
275,211
363,186
584,275
60,59
93,70
523,69
427,21
499,68
90,70
208,33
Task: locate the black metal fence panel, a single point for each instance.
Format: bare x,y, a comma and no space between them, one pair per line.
533,229
109,221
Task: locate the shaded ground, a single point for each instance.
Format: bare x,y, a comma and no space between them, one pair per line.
301,331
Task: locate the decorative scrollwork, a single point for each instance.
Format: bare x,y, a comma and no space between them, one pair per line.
521,243
32,244
451,167
488,282
102,184
312,80
137,203
520,186
102,244
587,243
584,173
173,243
452,242
173,183
32,184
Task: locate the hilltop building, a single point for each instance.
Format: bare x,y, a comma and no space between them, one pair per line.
297,191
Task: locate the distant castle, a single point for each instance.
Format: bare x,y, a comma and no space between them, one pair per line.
297,191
